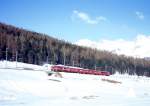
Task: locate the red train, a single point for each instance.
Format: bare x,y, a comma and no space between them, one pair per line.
62,68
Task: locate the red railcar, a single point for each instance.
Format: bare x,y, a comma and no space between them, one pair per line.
62,68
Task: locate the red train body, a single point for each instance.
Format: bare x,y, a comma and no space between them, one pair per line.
62,68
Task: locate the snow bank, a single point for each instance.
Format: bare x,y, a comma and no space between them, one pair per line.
19,65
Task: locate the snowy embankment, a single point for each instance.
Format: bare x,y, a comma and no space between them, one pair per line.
19,65
26,86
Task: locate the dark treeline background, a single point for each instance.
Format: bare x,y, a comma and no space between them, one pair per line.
36,48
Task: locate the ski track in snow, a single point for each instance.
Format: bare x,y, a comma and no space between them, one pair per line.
29,86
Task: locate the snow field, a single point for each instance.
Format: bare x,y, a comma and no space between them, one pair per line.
30,86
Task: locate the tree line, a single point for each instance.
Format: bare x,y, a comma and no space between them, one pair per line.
36,48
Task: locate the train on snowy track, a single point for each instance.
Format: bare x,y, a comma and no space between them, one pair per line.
69,69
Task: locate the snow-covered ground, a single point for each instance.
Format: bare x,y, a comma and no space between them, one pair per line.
28,85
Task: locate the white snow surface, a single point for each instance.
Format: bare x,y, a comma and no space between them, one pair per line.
29,85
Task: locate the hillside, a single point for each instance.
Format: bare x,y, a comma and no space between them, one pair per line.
36,48
34,88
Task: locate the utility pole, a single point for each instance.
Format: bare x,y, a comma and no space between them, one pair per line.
6,56
16,58
135,67
73,63
64,58
47,59
54,61
95,67
105,67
